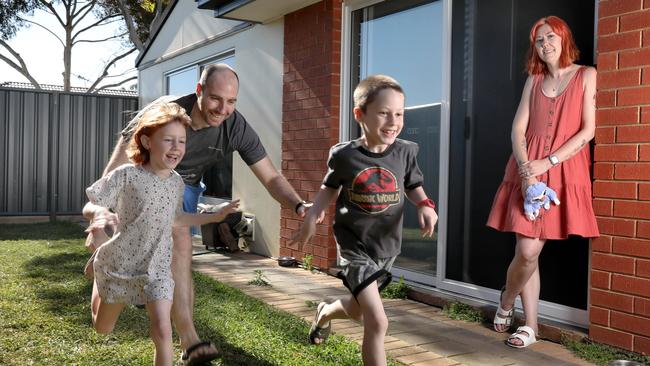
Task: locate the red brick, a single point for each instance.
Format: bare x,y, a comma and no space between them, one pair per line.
637,20
600,279
645,38
637,57
610,336
634,96
615,189
605,135
599,316
619,41
639,133
643,268
607,61
631,285
603,243
632,171
644,191
603,207
645,75
641,345
612,263
617,116
616,226
630,323
605,98
645,114
612,300
620,78
603,170
631,247
617,7
642,306
615,153
644,152
607,26
643,229
633,209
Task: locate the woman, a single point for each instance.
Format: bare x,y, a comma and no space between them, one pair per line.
551,130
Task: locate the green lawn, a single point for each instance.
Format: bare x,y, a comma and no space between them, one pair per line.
45,313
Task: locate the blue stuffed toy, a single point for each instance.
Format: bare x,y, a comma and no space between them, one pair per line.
538,195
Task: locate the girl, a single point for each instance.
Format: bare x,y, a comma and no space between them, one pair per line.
551,130
134,266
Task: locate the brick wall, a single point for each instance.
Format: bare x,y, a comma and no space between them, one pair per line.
620,258
310,115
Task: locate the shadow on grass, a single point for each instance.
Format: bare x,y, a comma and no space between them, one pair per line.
61,230
57,281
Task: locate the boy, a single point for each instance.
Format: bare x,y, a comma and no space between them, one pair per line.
369,176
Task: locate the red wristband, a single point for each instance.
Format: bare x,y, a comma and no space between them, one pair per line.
427,202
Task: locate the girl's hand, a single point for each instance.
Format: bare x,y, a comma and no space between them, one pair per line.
427,217
103,218
534,168
226,210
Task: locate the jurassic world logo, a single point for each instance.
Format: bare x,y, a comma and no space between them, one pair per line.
374,190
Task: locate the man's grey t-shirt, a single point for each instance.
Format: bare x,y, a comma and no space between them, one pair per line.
208,145
369,208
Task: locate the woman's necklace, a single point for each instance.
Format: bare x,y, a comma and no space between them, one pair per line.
559,83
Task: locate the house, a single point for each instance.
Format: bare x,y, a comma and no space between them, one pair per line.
461,64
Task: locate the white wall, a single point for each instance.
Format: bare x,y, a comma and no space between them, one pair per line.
259,63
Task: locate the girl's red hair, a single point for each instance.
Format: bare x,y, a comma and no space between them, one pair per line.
570,53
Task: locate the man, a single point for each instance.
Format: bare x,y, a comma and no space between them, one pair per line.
216,129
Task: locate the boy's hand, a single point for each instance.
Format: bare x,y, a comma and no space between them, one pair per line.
226,210
427,217
302,236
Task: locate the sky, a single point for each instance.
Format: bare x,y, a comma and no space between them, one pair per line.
43,54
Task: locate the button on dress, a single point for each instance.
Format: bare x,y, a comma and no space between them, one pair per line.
552,121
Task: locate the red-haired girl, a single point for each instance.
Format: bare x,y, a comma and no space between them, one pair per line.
134,266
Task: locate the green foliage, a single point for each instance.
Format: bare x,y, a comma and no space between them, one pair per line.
45,314
260,279
459,311
307,262
396,290
601,354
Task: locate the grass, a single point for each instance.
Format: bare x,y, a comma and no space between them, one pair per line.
460,311
601,354
45,314
396,290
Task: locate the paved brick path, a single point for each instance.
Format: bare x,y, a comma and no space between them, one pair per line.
418,334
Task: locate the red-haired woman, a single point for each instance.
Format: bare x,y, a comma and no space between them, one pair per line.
551,130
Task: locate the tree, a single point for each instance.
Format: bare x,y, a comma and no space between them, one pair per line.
76,18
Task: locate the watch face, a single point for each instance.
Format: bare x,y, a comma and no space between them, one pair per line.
554,159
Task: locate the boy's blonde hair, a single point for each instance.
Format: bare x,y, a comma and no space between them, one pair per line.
367,90
151,120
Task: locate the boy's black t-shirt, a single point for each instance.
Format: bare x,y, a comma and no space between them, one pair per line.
369,208
208,145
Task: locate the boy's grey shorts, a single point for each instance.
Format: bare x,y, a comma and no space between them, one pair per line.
360,270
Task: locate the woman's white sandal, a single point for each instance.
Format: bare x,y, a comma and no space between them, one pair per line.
525,334
503,317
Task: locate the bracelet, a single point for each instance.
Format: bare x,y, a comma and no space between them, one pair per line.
428,202
301,203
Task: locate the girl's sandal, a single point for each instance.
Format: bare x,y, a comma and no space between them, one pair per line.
503,317
525,334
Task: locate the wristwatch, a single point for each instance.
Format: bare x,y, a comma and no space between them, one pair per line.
554,160
304,204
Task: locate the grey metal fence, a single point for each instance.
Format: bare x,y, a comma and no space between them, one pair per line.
55,144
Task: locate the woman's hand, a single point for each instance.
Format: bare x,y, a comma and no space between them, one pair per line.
525,183
534,168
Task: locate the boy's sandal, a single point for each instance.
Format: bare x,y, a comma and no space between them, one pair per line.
503,317
525,334
316,332
189,360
